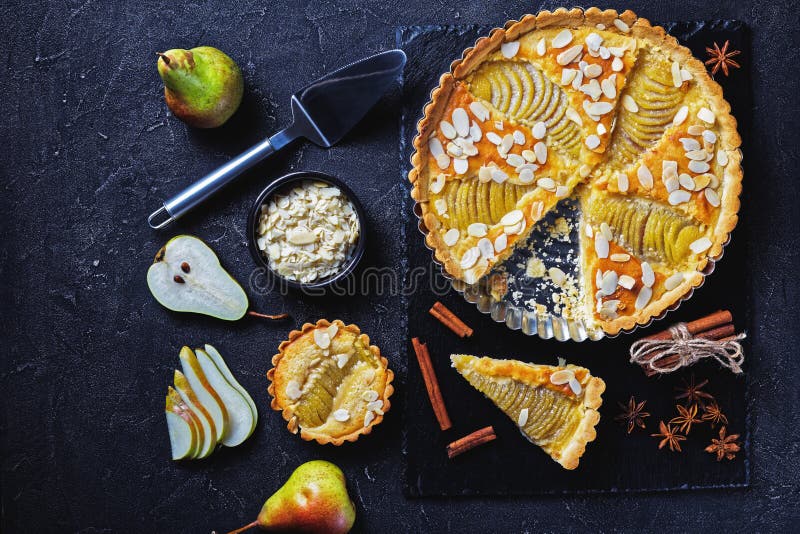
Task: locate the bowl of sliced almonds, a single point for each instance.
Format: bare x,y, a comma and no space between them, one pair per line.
306,230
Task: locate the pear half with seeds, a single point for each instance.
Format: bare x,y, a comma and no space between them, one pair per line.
186,276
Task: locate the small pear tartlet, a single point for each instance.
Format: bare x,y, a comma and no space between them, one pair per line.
329,383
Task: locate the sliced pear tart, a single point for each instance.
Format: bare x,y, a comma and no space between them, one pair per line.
554,407
595,105
329,383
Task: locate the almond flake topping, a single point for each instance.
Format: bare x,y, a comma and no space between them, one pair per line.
512,217
709,136
443,160
540,149
484,174
548,184
599,108
563,38
680,116
695,129
479,110
477,229
672,184
341,360
622,182
601,246
523,417
593,41
617,64
706,115
562,191
341,415
722,157
369,395
322,339
609,282
601,129
435,146
451,237
605,229
486,247
645,177
630,104
677,80
620,257
687,182
470,257
557,275
499,176
539,130
701,245
519,137
494,138
592,141
648,276
460,166
447,130
293,390
461,122
441,206
609,87
526,176
699,166
643,297
541,47
561,377
622,26
509,50
569,55
626,281
515,160
567,75
574,116
673,281
575,386
368,418
712,197
501,243
592,71
689,143
679,196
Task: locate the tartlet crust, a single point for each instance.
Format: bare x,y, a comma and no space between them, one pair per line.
280,403
639,28
533,374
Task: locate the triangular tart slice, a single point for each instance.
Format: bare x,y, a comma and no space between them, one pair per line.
554,407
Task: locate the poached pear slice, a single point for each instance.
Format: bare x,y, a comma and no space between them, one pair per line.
188,396
186,276
241,421
184,434
226,372
205,392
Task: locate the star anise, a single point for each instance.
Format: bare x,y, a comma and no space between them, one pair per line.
721,58
713,414
632,415
686,417
725,446
669,437
693,392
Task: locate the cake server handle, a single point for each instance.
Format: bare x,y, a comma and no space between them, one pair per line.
199,191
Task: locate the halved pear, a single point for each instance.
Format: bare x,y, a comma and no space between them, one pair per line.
206,422
206,393
184,434
186,276
226,372
241,421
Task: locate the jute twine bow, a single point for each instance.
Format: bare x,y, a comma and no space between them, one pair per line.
685,350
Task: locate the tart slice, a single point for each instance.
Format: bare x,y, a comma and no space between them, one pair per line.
329,383
554,407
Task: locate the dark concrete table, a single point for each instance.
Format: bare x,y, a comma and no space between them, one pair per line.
89,150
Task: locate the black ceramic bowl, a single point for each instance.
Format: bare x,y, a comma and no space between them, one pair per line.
280,184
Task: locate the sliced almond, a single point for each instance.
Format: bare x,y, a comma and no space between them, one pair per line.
322,339
563,38
438,183
470,257
447,129
460,166
562,376
592,142
479,110
512,217
630,104
341,415
477,229
679,196
677,81
369,395
712,197
526,176
626,281
699,166
548,184
622,25
509,50
435,147
540,149
673,281
522,418
539,130
622,182
575,386
569,55
601,246
645,176
648,276
620,257
706,115
541,47
451,237
700,245
617,64
643,298
293,391
680,116
557,275
500,243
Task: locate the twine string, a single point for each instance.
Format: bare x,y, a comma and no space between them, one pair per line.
687,350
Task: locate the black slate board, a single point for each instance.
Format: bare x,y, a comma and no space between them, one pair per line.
615,462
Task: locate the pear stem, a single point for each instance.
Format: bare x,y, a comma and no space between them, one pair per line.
246,527
265,316
164,57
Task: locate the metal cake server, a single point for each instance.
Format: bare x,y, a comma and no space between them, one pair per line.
323,112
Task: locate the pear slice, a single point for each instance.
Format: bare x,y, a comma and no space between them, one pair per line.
187,276
184,433
205,392
241,421
206,422
226,372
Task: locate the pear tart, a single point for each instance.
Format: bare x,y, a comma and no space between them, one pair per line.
329,383
594,105
554,407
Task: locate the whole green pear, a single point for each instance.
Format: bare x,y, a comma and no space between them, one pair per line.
203,86
314,500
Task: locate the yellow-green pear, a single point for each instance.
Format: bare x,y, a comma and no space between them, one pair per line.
203,86
314,500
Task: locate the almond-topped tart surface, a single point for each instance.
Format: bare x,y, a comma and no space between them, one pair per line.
600,107
554,407
329,383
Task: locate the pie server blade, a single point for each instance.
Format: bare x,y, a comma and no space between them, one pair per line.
322,112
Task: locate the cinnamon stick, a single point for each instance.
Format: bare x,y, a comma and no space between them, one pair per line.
450,320
266,316
431,384
703,324
470,441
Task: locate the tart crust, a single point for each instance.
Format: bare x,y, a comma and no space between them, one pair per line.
279,375
539,375
639,28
